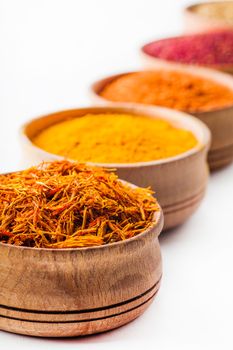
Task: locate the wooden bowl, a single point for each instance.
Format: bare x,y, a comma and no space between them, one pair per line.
195,22
219,121
73,292
179,182
149,62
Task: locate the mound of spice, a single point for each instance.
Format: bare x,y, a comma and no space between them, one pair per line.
115,138
69,205
221,11
214,49
179,90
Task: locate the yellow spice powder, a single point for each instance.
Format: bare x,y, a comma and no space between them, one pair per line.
115,138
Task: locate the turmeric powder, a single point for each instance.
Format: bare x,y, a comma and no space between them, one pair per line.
115,138
172,89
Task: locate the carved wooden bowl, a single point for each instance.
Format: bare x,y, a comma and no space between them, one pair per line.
179,182
219,121
73,292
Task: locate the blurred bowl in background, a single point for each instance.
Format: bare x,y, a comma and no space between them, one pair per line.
208,16
211,50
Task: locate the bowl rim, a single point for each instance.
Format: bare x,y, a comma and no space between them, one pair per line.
195,70
184,35
136,109
157,223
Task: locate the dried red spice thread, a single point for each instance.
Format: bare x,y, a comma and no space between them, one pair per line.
69,205
209,49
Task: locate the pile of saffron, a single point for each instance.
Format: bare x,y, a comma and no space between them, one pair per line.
70,205
115,138
169,88
213,49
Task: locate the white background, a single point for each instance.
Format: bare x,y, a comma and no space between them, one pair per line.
50,51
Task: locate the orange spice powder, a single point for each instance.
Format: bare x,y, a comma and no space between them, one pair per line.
172,89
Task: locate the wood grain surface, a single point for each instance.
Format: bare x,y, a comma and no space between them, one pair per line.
71,292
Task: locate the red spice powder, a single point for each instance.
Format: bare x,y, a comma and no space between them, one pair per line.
209,49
